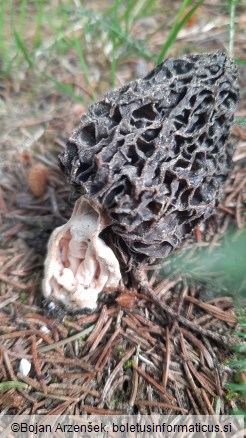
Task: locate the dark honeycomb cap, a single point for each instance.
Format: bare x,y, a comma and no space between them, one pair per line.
154,154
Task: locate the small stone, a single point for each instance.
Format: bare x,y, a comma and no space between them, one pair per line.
45,330
25,367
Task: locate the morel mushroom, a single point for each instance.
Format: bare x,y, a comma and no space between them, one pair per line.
151,159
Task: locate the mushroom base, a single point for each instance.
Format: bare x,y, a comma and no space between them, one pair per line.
79,264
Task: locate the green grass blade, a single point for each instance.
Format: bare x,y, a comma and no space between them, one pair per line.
240,61
240,121
177,26
124,39
12,384
232,5
105,24
37,39
239,348
2,19
21,46
136,13
135,10
217,405
66,89
113,36
22,17
80,335
127,14
222,270
147,8
83,65
82,61
236,386
237,364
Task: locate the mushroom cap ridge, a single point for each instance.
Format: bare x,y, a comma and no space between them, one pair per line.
154,154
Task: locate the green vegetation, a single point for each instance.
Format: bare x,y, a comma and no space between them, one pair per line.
237,390
54,41
4,386
221,270
232,7
181,19
61,44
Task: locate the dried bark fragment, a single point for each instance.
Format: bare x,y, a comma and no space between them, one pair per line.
154,154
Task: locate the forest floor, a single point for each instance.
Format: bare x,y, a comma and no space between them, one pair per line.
132,355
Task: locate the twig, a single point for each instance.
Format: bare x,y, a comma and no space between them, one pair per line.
213,310
96,329
99,411
232,27
176,317
200,345
166,361
114,373
29,381
201,379
192,400
117,383
36,363
139,330
101,334
63,342
161,405
134,380
8,301
13,283
24,333
45,321
153,383
239,220
195,389
101,360
208,404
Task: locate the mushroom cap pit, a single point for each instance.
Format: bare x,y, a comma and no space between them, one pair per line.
154,154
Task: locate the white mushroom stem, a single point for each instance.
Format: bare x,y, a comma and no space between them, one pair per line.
79,264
